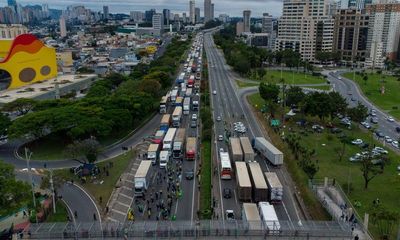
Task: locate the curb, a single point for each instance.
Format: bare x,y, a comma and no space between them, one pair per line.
91,198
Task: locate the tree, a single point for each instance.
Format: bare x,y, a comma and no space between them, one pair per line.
365,78
358,113
150,86
269,92
89,148
318,104
294,95
340,151
385,220
369,169
21,105
5,123
337,105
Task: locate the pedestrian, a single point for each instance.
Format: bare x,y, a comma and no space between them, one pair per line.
76,214
72,181
107,209
356,237
24,214
101,200
156,193
94,217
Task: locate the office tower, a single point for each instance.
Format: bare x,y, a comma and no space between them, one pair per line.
184,18
197,15
158,21
166,14
246,20
137,16
45,9
149,15
212,11
63,27
305,28
105,12
350,34
191,11
383,33
239,28
267,25
176,17
207,10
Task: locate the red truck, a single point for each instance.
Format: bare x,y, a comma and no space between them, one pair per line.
191,145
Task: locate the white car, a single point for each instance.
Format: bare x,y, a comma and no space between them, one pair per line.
357,157
388,139
221,150
219,118
215,92
220,137
395,144
194,116
357,142
390,119
381,150
229,215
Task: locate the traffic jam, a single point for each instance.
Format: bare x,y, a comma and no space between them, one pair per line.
164,182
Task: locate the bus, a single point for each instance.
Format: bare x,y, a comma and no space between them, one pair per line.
169,139
226,167
165,121
158,137
269,217
163,104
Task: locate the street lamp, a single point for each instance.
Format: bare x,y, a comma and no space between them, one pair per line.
52,187
28,159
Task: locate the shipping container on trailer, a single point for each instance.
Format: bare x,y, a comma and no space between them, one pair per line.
243,182
260,187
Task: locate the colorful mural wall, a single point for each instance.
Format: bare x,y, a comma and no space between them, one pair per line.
27,60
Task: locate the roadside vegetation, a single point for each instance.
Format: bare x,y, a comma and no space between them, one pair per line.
317,144
61,214
372,85
112,108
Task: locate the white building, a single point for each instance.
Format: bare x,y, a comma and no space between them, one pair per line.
11,31
63,27
192,16
158,21
137,16
246,20
207,11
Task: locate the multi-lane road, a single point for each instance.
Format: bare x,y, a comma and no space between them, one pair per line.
227,104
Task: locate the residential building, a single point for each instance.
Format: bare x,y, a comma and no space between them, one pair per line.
224,18
197,15
166,14
239,28
212,11
191,11
12,31
354,4
158,20
268,27
350,34
246,20
207,11
105,12
149,15
63,27
305,28
383,33
137,16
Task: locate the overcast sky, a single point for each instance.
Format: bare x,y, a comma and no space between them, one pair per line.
231,7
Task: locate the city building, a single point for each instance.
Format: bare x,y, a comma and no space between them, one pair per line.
192,18
158,21
166,14
184,18
212,11
246,20
239,28
64,62
63,27
137,16
354,4
207,11
257,39
149,15
11,31
197,15
105,12
11,3
224,18
383,33
268,27
305,27
350,34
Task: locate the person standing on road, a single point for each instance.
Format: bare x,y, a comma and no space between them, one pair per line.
94,217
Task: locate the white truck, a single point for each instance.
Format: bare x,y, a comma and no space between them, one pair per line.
269,218
164,158
268,150
177,116
186,105
152,153
179,143
142,178
174,95
275,188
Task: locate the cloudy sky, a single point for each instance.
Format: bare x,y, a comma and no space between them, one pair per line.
232,7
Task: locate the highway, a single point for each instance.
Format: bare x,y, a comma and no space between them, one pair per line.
345,86
232,108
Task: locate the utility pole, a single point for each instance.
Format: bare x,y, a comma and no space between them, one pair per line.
28,158
52,189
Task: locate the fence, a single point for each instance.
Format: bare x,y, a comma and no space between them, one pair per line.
187,229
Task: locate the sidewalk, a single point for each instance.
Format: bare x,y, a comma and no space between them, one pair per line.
15,219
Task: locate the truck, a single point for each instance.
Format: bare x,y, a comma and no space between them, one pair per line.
179,102
235,149
195,102
164,158
251,217
169,139
180,78
248,152
190,82
165,122
191,148
275,187
142,178
163,104
179,143
177,116
269,218
243,182
152,153
158,137
186,106
260,187
174,95
267,150
188,92
183,89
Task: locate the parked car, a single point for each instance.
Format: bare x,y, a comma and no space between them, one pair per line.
193,124
219,118
215,92
395,144
194,116
357,157
388,139
374,120
390,119
357,141
336,130
372,113
379,134
381,150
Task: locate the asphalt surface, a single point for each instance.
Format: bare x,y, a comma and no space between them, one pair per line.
233,107
346,87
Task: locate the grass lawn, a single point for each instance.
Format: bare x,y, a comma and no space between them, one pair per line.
325,87
246,84
292,77
389,101
385,186
60,215
103,185
205,184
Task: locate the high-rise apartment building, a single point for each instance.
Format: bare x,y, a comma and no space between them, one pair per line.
12,31
192,18
105,12
166,14
212,11
350,34
63,27
224,18
207,11
354,4
383,33
11,3
158,21
148,15
246,20
137,16
197,15
305,27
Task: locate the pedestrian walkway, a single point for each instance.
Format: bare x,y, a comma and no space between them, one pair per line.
123,194
14,219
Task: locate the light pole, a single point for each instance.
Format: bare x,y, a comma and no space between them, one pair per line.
52,187
28,158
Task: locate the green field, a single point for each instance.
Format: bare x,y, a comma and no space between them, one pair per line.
390,100
292,77
60,215
242,84
385,186
205,184
103,185
325,87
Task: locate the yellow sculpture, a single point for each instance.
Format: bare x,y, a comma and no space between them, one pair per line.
27,61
